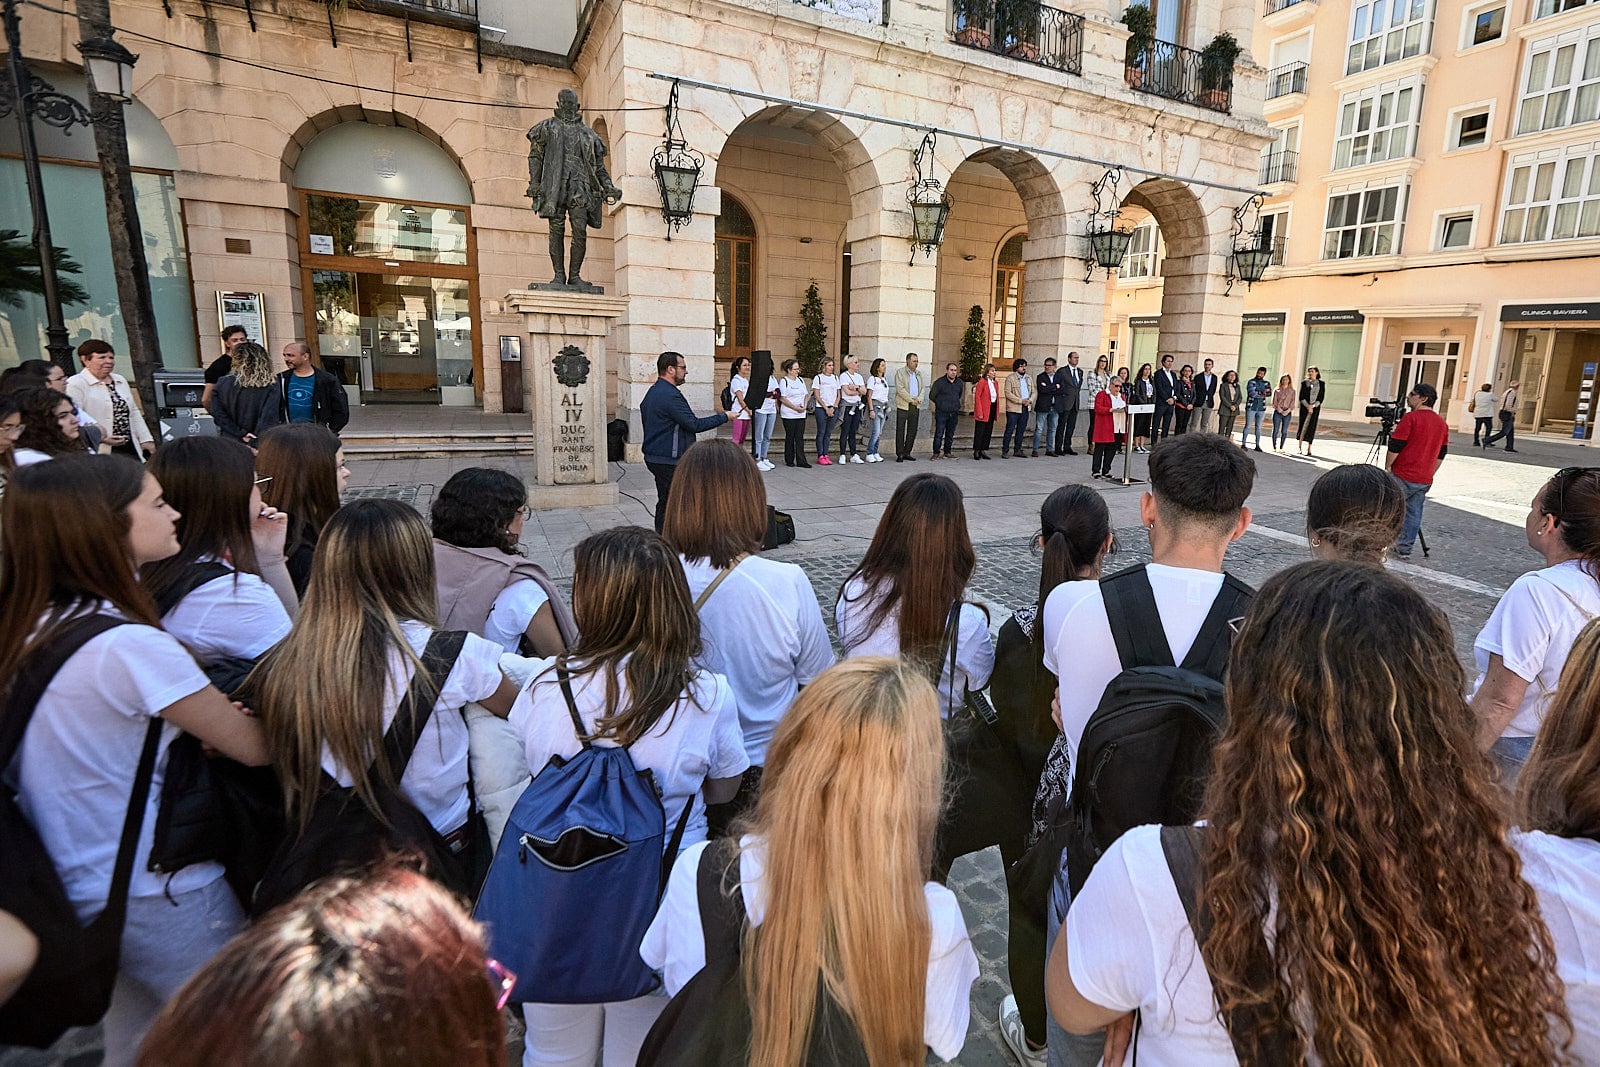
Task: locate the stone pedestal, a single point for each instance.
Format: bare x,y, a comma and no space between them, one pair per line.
565,358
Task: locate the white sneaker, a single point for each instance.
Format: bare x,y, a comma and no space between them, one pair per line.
1011,1029
874,458
857,459
764,465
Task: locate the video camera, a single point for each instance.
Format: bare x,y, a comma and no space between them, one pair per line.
1388,411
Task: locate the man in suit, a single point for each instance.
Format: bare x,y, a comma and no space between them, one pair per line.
1166,380
1048,407
1070,404
1205,396
908,397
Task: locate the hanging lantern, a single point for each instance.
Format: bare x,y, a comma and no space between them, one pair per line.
677,168
930,204
1108,243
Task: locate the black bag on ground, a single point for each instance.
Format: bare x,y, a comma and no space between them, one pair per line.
344,835
616,440
708,1023
1145,753
780,528
71,983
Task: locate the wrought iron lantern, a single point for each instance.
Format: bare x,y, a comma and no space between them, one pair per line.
930,204
1248,259
1108,243
677,168
110,67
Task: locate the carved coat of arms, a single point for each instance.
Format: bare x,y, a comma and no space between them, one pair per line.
572,366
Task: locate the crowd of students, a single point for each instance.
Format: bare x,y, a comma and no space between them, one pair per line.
1366,887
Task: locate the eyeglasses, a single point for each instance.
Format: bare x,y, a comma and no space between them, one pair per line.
503,981
1564,477
12,431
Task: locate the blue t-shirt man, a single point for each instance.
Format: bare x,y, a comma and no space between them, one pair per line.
299,391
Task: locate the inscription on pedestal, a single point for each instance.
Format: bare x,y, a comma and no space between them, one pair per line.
574,446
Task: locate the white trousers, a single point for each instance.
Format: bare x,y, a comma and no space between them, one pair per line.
572,1035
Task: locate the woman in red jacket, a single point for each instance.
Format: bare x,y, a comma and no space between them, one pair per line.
1110,417
988,401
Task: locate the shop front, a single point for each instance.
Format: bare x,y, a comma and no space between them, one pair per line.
1544,348
1261,343
1333,346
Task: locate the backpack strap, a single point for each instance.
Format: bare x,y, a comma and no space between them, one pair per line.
1209,653
192,577
952,632
1268,1047
411,718
705,595
1130,607
572,705
722,915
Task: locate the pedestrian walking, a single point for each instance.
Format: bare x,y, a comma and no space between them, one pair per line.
1508,419
1484,406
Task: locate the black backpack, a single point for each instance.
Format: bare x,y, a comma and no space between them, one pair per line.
727,398
344,835
708,1023
1145,753
71,983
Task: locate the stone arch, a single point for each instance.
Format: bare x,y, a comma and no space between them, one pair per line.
316,125
1197,319
1179,213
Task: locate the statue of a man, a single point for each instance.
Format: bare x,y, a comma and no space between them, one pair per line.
567,179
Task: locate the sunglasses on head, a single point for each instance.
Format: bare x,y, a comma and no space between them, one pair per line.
1559,483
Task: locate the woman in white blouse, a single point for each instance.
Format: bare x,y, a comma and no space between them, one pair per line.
104,396
792,406
738,387
877,406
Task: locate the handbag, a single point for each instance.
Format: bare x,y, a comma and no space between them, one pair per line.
780,528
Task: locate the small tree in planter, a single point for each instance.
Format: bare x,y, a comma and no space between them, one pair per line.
1141,24
1017,27
974,346
811,336
972,22
1216,70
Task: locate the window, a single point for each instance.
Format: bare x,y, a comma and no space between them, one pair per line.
1553,196
1009,272
1383,31
1280,160
1455,231
1472,129
1555,7
1484,24
1377,123
1561,81
1365,222
1274,234
1144,252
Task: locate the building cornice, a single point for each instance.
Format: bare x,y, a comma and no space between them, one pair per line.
1419,64
1554,24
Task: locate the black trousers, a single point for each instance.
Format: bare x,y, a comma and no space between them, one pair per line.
905,431
1483,427
1104,453
1163,424
663,473
982,435
1181,418
1065,428
794,442
1508,430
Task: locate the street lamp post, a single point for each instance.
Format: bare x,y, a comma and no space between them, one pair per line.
31,96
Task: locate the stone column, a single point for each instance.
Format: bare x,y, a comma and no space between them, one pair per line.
1198,322
1061,312
564,369
891,300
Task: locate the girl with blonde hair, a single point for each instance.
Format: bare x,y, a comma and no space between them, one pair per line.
245,402
846,950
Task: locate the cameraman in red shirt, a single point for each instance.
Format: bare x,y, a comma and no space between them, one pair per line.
1416,448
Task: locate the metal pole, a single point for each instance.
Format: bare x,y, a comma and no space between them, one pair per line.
55,330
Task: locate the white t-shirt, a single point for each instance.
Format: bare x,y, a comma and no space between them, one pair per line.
855,379
1129,946
878,390
675,944
513,610
24,457
974,646
737,386
1532,629
436,778
769,406
74,772
827,389
794,391
1080,651
234,615
763,632
1565,874
697,738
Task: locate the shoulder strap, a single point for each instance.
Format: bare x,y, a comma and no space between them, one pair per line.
572,705
1267,1047
705,595
38,667
1209,653
411,718
1130,610
132,823
721,906
670,856
952,635
193,577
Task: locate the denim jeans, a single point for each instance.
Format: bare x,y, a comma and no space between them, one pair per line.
1416,496
1044,429
849,429
764,425
1280,429
825,425
1252,417
879,417
1016,429
1064,1049
1510,754
944,431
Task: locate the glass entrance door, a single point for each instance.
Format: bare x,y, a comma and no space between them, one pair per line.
1433,362
402,338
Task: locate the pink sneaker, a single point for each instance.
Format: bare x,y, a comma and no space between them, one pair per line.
825,461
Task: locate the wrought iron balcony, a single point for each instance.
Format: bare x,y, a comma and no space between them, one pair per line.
1279,5
1022,29
1285,80
443,12
1178,73
1280,167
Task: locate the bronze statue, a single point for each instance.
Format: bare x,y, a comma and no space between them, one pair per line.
567,179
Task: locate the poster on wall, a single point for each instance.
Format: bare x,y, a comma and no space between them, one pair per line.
243,309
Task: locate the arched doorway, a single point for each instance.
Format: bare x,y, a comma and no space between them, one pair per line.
389,265
1006,325
735,281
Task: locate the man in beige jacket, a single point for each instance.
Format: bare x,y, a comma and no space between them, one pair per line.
910,390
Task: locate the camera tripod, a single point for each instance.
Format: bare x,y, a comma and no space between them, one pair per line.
1375,454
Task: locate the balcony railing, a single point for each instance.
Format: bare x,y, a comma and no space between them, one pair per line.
1279,5
444,12
1178,73
1022,29
1287,79
1279,167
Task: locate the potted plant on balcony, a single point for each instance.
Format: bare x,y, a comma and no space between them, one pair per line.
974,346
972,22
1216,70
1141,24
1016,25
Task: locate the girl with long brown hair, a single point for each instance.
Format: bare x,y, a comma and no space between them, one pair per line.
49,428
832,884
1362,900
305,463
77,531
635,684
